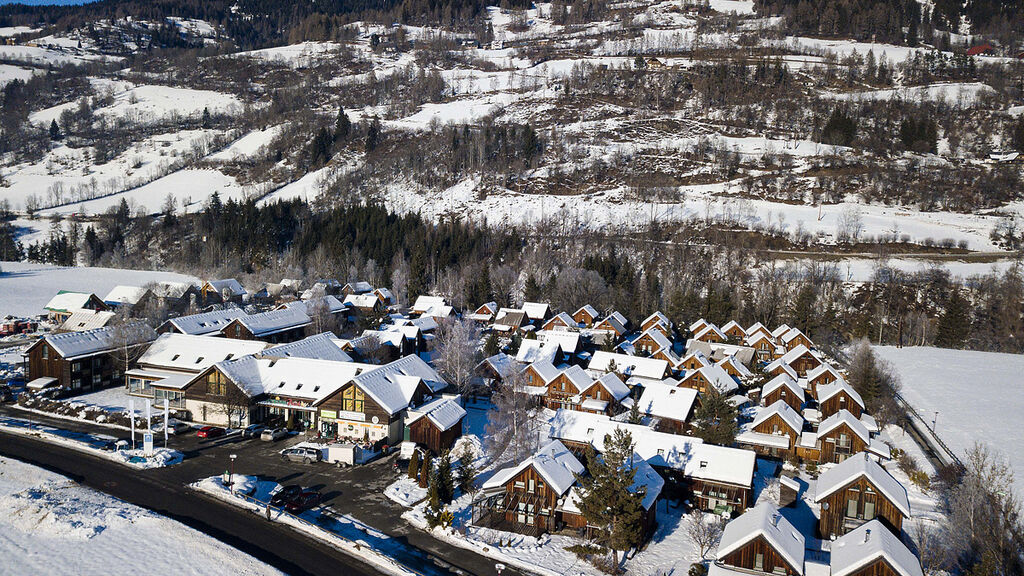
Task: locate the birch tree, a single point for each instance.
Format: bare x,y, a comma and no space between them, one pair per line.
456,353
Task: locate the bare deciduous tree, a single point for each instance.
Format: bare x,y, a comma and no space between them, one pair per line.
457,352
513,423
704,529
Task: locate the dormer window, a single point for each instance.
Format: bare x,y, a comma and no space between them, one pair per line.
229,356
298,386
198,360
316,388
281,385
176,356
703,464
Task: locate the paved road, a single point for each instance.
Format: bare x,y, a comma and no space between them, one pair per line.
358,492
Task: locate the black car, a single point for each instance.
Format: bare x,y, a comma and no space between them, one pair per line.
286,493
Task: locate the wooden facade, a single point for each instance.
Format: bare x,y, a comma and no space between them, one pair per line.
798,340
424,432
719,496
854,504
209,395
82,374
805,363
239,331
839,444
758,555
879,567
840,401
351,413
557,323
776,425
646,344
826,377
709,336
529,502
735,332
694,362
786,395
583,317
697,381
560,393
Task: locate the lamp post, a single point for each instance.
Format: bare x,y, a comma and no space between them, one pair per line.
231,479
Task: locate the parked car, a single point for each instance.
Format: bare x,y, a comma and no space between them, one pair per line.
273,434
286,493
301,454
210,432
253,431
303,501
174,427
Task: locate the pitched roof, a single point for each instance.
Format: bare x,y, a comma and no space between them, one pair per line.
644,478
756,326
826,391
862,465
330,303
194,354
629,365
564,318
71,345
844,417
86,319
567,340
531,351
230,284
611,383
535,310
546,370
782,380
614,323
364,300
444,413
660,340
305,378
358,287
274,321
737,365
554,462
319,346
578,376
207,322
732,324
718,377
665,401
791,334
721,464
700,322
392,385
785,411
710,328
425,303
869,542
659,318
764,521
780,330
509,318
65,301
501,363
590,310
125,295
172,289
821,369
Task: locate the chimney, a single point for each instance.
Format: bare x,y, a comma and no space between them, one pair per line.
867,535
775,520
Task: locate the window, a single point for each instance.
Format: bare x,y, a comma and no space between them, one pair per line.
533,486
175,357
238,331
96,379
869,509
76,366
844,440
759,561
215,384
76,383
353,400
851,508
46,353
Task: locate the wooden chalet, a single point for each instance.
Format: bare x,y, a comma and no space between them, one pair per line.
659,321
801,359
129,297
585,316
735,368
840,436
366,304
435,425
837,396
671,406
711,334
484,313
651,341
508,321
357,287
793,338
783,388
858,491
560,321
207,323
221,292
824,374
763,345
564,390
612,326
698,326
760,541
603,396
694,361
707,377
83,361
274,326
66,303
776,422
177,297
872,550
733,331
755,329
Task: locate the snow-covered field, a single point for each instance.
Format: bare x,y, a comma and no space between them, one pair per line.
25,287
863,269
978,396
51,525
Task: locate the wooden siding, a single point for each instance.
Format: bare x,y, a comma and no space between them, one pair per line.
747,556
424,432
786,395
835,520
79,375
838,402
833,452
805,363
581,317
710,494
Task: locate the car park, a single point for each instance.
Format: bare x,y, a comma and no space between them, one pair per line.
273,434
174,427
253,431
286,493
210,432
301,454
303,501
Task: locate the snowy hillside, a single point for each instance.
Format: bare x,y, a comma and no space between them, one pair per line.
51,521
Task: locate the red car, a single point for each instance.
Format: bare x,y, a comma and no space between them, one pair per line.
302,501
210,432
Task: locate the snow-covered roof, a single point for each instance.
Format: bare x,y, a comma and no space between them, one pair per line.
869,542
554,462
736,365
509,318
658,448
274,321
392,386
502,363
578,377
718,377
163,378
444,413
658,318
385,294
754,338
72,345
629,365
644,478
293,283
319,346
233,286
747,436
697,325
786,368
791,334
665,401
721,464
780,330
590,310
425,303
563,318
207,322
792,355
764,521
782,380
531,351
358,287
614,323
844,417
536,310
365,300
660,340
172,289
611,383
709,329
757,326
546,370
821,369
86,319
188,353
858,466
568,341
826,391
305,378
125,295
732,324
785,411
330,303
66,301
697,355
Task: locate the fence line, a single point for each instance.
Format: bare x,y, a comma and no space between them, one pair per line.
929,431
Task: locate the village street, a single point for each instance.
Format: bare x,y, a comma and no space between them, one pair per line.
353,491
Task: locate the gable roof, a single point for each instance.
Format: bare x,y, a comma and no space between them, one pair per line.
425,303
659,318
614,323
564,318
717,377
358,287
554,462
363,300
234,286
207,322
822,369
66,301
611,383
319,346
666,401
869,542
698,324
567,340
173,289
844,417
125,295
710,328
780,381
443,413
754,338
764,521
736,365
536,310
578,377
660,340
531,351
503,364
305,378
194,354
85,319
697,355
546,370
826,391
332,304
509,318
862,465
791,334
755,327
650,368
590,310
72,345
274,321
785,411
780,330
732,324
393,385
721,464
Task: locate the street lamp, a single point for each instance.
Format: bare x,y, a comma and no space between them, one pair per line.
231,479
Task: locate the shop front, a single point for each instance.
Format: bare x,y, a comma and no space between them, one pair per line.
297,413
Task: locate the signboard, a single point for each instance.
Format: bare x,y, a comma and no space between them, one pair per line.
147,443
346,415
328,414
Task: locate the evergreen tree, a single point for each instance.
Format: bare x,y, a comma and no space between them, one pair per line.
434,501
804,308
206,118
343,126
414,464
1017,135
635,417
532,292
373,135
491,345
425,471
54,130
607,500
840,129
513,346
715,419
445,482
955,323
467,472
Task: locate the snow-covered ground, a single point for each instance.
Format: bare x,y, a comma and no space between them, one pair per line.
863,269
51,524
25,287
978,396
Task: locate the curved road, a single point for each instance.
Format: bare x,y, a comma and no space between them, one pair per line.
272,543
